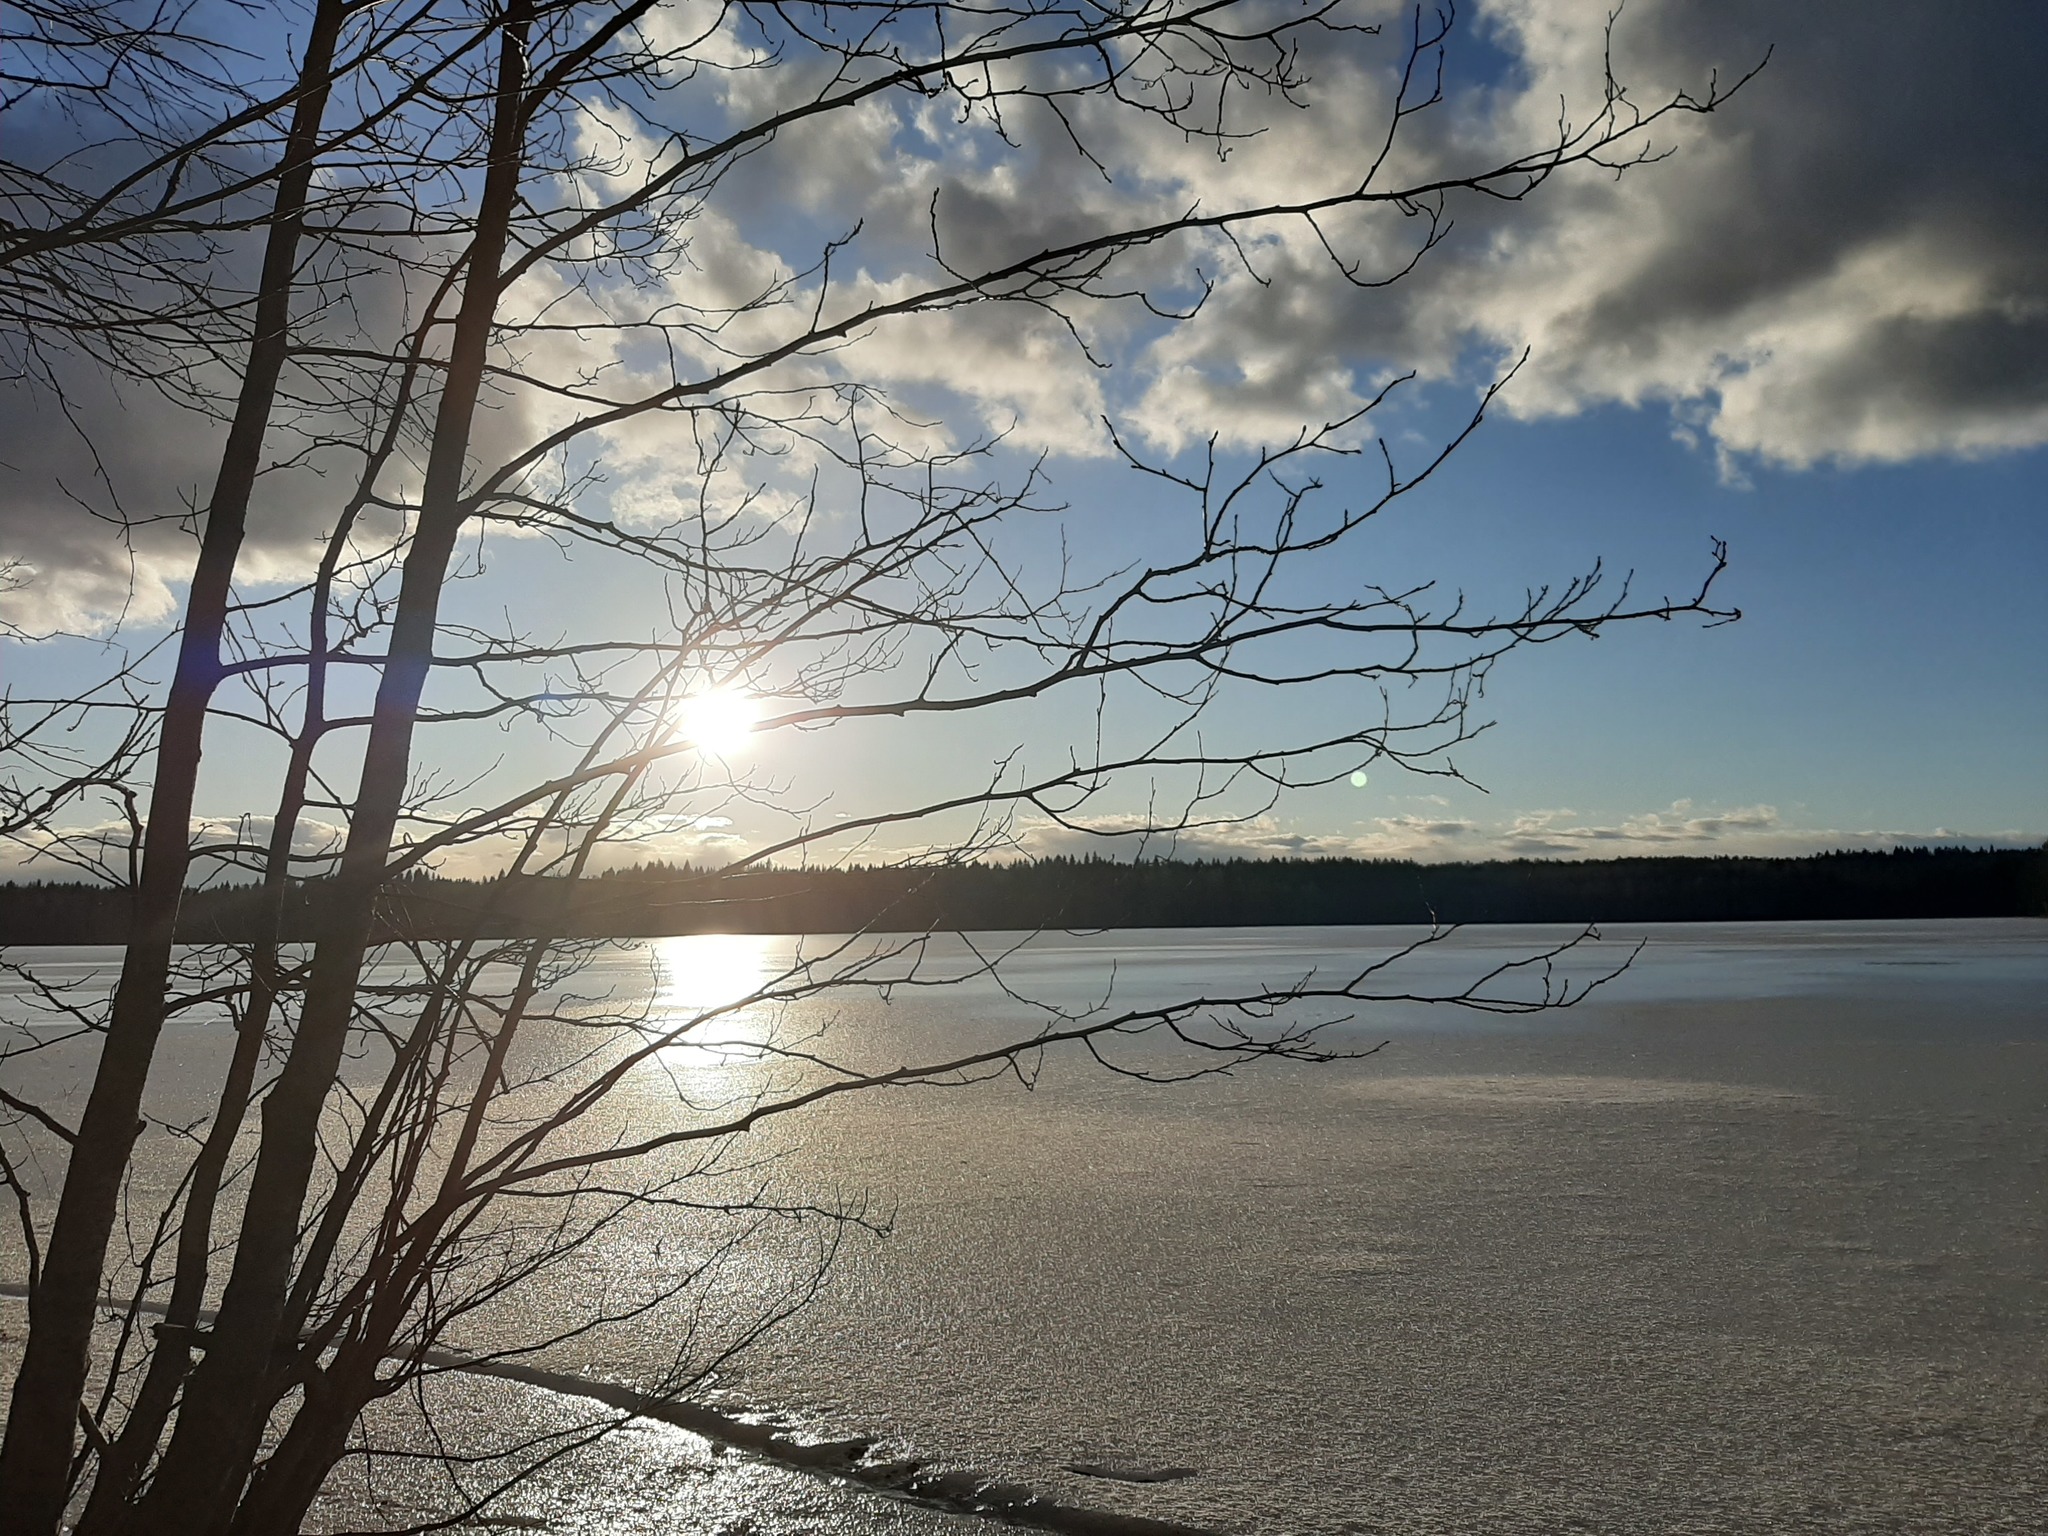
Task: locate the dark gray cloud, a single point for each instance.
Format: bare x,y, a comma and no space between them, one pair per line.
97,499
69,477
1849,262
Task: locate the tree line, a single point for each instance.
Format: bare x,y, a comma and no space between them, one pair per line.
660,899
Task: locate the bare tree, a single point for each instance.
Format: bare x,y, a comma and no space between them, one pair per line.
457,348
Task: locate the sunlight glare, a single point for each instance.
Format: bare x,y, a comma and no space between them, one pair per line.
720,722
703,971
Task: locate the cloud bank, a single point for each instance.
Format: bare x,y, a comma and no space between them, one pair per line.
1847,265
1680,829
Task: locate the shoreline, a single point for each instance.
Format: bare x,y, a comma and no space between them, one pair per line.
845,1460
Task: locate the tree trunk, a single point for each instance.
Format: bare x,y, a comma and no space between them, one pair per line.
291,1478
228,1399
122,1462
35,1459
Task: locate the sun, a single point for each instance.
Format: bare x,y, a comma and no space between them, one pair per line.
720,722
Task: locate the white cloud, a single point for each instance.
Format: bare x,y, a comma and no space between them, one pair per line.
1847,264
1680,829
65,853
70,853
1123,836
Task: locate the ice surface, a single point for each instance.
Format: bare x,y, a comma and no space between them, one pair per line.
1753,1241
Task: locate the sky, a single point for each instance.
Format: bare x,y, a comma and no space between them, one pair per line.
1816,329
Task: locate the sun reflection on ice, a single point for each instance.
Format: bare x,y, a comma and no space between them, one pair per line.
703,972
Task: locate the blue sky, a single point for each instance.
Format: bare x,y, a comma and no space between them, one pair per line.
1818,330
1889,674
1887,683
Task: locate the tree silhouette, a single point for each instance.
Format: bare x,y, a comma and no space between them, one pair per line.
483,247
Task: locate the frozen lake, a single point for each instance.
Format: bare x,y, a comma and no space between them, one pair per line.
1753,1240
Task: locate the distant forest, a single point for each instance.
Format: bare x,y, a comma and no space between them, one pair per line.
1099,893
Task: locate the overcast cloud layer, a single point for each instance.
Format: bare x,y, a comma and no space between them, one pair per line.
1848,264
